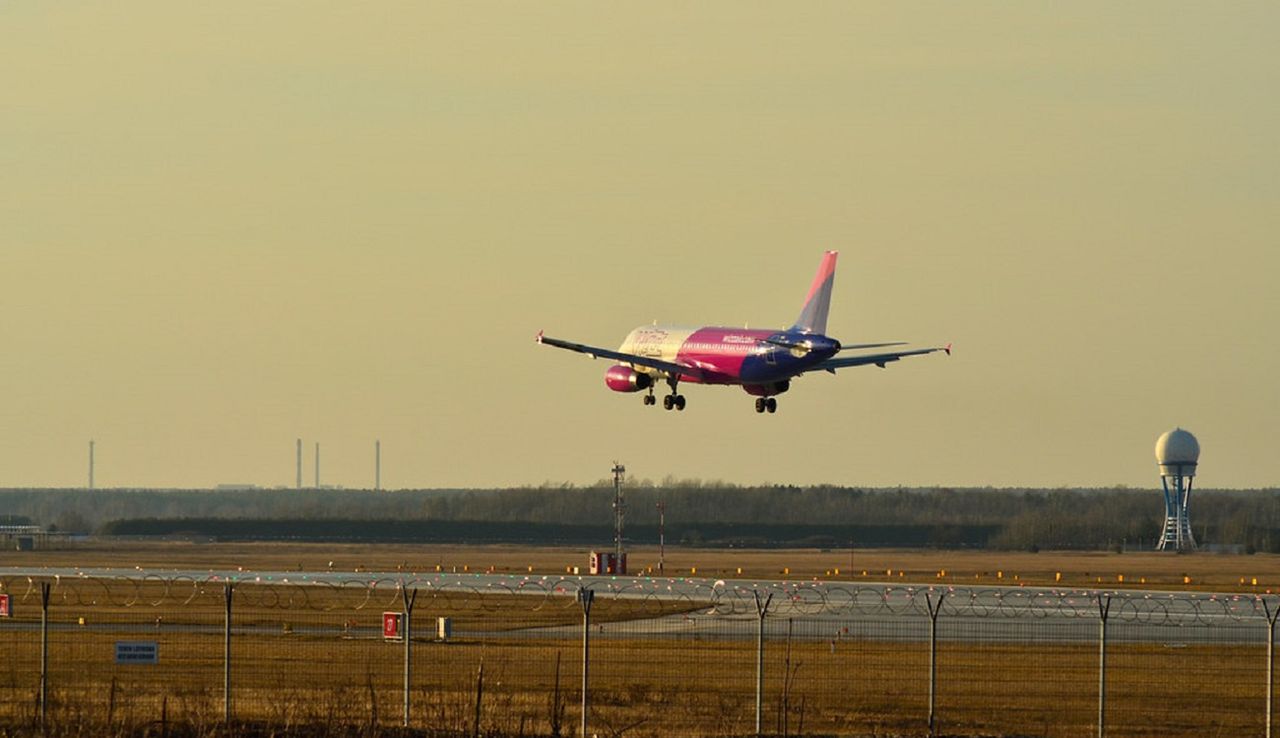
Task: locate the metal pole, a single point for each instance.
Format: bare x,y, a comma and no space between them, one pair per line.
618,471
1271,658
377,465
44,652
585,597
1104,607
662,536
409,597
762,609
227,591
934,610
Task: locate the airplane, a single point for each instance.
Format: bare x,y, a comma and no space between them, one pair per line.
762,362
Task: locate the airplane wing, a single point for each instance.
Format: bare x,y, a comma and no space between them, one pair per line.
844,362
633,359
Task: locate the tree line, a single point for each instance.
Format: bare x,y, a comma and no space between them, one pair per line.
697,513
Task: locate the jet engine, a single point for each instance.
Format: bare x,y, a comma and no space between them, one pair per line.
621,378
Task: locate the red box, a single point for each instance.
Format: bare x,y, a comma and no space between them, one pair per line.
391,625
4,607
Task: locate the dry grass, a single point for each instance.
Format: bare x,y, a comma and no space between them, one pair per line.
653,688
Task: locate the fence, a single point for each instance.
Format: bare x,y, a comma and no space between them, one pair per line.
645,657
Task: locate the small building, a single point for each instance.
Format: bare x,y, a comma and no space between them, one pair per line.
27,537
605,562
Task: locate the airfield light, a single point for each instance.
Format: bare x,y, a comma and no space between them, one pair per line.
1177,453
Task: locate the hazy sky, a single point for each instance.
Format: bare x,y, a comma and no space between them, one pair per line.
224,226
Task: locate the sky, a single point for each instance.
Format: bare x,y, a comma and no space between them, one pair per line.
224,227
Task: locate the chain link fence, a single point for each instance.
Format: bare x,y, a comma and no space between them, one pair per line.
500,656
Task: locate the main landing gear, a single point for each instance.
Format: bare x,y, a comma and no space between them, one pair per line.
668,401
764,404
673,401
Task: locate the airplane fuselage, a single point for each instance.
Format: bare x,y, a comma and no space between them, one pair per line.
750,357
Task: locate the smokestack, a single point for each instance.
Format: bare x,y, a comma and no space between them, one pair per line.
377,465
90,464
299,463
317,465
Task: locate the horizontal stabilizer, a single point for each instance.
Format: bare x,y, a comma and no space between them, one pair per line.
844,362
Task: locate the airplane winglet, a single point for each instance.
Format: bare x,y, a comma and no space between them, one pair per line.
946,348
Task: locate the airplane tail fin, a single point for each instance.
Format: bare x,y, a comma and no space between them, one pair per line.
813,317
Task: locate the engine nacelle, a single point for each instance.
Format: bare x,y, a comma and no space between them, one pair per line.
621,378
768,389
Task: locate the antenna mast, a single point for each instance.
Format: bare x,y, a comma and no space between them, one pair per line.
662,535
619,510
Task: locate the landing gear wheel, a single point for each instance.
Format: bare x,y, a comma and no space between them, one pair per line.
760,404
679,402
668,402
649,399
771,405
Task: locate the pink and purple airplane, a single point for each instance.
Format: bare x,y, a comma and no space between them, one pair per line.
762,362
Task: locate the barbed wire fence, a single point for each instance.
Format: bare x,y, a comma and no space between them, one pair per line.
561,656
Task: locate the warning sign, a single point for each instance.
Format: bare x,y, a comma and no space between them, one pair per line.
137,652
391,625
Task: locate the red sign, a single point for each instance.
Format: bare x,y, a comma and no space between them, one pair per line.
4,606
391,625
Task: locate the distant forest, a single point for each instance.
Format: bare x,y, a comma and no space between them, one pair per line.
698,514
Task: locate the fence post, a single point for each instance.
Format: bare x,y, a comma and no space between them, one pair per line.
408,597
1104,608
1271,657
44,653
227,590
585,598
934,610
762,609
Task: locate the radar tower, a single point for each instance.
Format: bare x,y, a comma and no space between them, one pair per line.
1177,453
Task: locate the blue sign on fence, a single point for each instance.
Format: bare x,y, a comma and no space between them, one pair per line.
137,652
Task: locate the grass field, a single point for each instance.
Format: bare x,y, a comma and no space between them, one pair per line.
311,661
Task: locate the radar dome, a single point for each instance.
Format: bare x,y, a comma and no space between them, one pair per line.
1177,448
